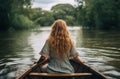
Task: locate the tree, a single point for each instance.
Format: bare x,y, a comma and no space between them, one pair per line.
5,9
99,14
8,9
64,11
45,18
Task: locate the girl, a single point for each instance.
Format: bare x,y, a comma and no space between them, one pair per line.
59,48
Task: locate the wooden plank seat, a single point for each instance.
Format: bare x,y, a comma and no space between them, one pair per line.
60,75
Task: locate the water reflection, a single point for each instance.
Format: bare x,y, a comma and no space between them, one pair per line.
20,49
102,50
15,52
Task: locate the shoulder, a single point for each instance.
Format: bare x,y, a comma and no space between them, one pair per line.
47,41
72,42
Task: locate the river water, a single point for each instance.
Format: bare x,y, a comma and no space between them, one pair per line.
19,49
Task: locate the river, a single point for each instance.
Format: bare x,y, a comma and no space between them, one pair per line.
19,49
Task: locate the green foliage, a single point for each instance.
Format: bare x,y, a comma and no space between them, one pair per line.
95,14
5,9
59,11
36,13
70,20
46,18
16,13
21,22
65,8
65,12
99,14
42,17
9,8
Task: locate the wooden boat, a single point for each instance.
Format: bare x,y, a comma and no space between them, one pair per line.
82,71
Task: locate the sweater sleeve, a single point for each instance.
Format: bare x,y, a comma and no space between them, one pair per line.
45,50
73,52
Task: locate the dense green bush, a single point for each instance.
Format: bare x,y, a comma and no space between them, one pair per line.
99,14
21,22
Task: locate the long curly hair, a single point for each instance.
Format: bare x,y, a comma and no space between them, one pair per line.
59,39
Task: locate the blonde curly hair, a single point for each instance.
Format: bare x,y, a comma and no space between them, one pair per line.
59,39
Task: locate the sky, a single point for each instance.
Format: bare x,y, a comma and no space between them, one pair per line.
47,4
